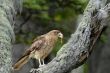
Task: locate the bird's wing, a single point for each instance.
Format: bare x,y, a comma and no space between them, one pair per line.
37,38
39,43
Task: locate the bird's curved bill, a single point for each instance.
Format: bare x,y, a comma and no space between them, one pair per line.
61,37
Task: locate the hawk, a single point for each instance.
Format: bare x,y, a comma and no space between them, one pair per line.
40,48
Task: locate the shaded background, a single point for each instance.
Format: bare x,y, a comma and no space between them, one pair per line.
40,16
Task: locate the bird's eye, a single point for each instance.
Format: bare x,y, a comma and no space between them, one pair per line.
56,33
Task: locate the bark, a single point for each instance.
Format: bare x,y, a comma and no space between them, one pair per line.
6,35
78,70
74,53
99,61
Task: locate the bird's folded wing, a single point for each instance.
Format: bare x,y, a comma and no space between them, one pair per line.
40,43
38,38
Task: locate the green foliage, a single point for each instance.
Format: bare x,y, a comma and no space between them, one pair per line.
35,4
103,38
57,46
57,10
55,14
26,38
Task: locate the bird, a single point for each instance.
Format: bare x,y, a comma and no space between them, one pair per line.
41,47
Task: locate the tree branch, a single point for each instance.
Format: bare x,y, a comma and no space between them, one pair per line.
77,49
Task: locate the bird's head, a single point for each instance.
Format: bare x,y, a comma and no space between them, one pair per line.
57,33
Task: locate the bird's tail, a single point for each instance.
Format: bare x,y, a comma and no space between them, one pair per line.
21,62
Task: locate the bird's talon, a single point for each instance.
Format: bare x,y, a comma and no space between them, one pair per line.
33,70
41,65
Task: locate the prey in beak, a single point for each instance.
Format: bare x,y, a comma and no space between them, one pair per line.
60,35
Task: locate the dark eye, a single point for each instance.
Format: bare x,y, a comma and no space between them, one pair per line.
56,32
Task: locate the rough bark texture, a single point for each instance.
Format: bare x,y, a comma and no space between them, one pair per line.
77,49
99,61
6,35
78,70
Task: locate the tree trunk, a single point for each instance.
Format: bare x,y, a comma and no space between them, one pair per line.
6,35
78,70
78,48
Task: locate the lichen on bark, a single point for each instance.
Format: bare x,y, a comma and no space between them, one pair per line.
7,37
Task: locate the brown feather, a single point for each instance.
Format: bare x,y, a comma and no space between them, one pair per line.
35,45
38,38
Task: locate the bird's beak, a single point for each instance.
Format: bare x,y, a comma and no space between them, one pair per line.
61,36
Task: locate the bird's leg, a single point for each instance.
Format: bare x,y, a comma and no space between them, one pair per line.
34,69
40,63
43,62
